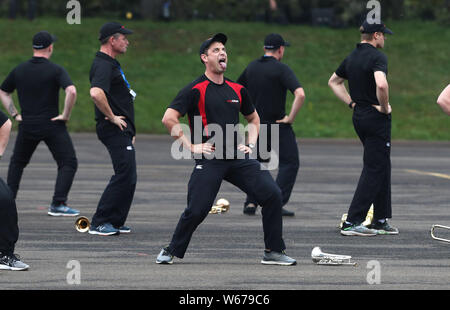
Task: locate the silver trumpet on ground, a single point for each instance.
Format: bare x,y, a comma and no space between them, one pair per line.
82,224
222,205
321,258
433,228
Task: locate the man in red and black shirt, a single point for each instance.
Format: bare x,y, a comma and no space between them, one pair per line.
213,104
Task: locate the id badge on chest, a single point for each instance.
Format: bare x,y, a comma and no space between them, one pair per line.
133,94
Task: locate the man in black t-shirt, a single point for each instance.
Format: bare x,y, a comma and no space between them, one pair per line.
38,82
366,70
114,114
213,104
268,80
9,228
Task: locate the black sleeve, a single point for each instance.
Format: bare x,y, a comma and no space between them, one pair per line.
3,118
185,100
243,78
380,63
247,107
101,76
9,84
342,70
289,79
64,78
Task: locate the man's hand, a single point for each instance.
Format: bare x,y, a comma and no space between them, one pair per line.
245,149
285,120
381,109
118,121
204,148
18,118
60,118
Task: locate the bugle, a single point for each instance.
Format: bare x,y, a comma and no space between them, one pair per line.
321,258
367,221
437,238
222,205
82,224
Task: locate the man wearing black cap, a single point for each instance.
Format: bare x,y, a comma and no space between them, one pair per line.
366,69
38,82
114,114
267,80
213,103
9,228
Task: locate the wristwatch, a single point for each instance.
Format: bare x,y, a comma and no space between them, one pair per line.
350,104
251,145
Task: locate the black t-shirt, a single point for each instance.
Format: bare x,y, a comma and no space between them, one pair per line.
3,118
38,82
210,106
358,68
267,81
106,74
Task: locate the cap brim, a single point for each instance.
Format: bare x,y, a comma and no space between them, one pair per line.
388,31
125,31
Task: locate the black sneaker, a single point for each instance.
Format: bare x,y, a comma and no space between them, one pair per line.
383,228
12,262
250,208
285,212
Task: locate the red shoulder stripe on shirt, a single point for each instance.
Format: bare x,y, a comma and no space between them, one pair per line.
201,87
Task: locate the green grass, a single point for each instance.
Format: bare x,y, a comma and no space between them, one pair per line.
163,57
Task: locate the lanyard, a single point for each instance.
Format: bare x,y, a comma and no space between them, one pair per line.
124,78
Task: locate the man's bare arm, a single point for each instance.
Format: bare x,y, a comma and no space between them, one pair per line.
444,100
337,84
69,102
8,103
100,100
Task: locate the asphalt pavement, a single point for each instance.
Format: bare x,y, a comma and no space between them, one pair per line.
226,250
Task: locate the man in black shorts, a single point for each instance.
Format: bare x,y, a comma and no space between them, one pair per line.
38,82
213,104
114,113
267,80
9,229
366,69
444,100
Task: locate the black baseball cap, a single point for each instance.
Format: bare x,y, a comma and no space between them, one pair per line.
43,39
219,37
111,28
367,27
274,41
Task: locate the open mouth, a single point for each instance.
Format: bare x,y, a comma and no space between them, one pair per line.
223,63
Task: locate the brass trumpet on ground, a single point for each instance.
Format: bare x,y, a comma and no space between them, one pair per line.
82,224
437,238
222,205
321,258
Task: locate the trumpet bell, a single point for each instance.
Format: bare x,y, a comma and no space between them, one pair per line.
82,224
433,228
321,258
222,205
